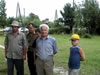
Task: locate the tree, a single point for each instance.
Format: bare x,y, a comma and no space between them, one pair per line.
36,21
3,19
10,20
90,14
78,16
68,16
32,18
98,23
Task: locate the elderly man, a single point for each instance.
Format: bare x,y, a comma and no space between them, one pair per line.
46,49
15,50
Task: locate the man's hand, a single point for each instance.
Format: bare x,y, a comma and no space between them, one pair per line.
5,55
24,57
6,51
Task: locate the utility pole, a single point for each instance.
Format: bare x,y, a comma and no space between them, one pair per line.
18,15
24,15
56,15
73,3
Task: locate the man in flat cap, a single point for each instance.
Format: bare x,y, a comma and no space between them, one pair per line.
15,50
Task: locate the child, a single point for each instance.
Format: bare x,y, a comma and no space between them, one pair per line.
76,55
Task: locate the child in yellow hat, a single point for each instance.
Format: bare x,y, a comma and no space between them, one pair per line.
76,55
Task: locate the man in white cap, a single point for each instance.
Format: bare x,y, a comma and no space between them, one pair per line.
15,50
46,48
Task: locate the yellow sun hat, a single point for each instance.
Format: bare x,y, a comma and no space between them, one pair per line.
75,37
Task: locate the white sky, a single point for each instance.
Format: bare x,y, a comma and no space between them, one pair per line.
42,8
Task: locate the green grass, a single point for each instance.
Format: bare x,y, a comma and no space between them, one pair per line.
2,39
92,51
89,67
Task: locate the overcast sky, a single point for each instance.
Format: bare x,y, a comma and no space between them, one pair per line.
42,8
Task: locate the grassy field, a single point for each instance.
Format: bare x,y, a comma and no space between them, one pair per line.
89,67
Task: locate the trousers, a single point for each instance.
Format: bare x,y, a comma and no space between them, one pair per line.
19,65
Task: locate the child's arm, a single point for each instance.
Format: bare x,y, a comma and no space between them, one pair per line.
82,54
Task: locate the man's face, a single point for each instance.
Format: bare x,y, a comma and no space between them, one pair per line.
31,28
15,28
44,32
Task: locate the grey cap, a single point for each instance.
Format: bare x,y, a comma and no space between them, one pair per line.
15,23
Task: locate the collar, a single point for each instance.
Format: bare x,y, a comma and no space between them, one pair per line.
46,37
17,32
75,46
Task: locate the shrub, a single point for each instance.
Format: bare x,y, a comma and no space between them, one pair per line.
80,32
83,34
86,35
57,30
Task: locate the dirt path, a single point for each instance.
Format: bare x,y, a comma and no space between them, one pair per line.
60,71
1,46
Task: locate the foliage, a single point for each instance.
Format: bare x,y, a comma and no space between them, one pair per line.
3,19
57,27
85,15
86,35
32,18
68,16
78,16
57,30
10,20
91,14
80,32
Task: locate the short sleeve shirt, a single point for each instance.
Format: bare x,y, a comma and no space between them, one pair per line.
16,45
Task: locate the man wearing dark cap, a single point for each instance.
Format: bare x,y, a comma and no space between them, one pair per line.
15,50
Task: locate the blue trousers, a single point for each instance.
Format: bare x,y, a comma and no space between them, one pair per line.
19,65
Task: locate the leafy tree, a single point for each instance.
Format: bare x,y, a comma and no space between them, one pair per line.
90,15
68,16
98,23
32,18
78,16
3,19
36,21
9,20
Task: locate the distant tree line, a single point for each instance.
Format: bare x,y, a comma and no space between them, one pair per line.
79,18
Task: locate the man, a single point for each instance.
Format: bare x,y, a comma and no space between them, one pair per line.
31,37
46,49
15,50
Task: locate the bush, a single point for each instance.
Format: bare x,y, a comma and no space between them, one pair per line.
57,30
86,35
83,34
